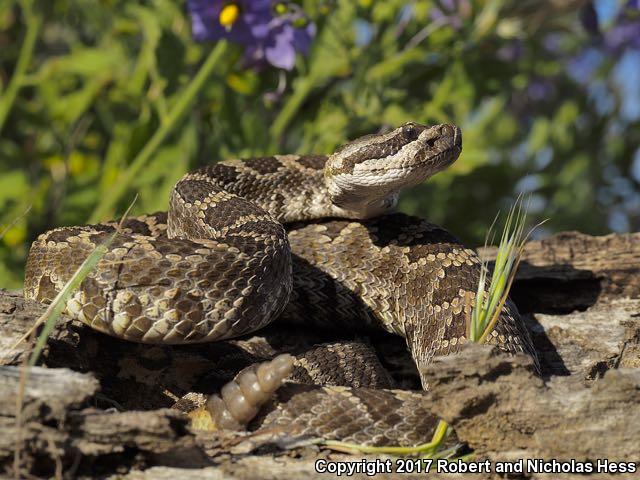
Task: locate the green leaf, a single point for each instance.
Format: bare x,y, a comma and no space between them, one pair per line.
86,62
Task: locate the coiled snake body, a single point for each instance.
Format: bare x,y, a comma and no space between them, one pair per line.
220,264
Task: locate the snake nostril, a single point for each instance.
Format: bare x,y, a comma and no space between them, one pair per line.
451,132
447,130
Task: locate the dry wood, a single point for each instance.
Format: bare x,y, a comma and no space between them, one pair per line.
572,270
588,407
503,411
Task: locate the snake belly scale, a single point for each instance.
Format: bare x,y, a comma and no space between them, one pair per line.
309,238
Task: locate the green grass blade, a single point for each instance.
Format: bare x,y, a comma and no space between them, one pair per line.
14,221
426,449
57,306
53,311
490,301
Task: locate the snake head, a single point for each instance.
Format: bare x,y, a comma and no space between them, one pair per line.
365,175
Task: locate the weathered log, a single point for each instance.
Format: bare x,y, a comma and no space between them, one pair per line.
571,271
587,344
586,405
55,431
505,412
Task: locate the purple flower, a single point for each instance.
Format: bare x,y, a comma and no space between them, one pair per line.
451,12
624,31
626,34
540,89
510,51
584,66
272,35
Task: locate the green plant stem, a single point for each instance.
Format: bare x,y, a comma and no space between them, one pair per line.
439,435
49,318
185,100
291,107
33,22
60,302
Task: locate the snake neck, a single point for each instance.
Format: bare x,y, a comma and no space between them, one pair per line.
360,205
315,198
291,188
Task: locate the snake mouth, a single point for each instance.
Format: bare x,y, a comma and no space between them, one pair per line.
443,138
442,148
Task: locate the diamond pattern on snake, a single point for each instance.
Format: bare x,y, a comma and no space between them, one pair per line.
306,239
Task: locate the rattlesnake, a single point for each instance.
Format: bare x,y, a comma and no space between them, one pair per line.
221,264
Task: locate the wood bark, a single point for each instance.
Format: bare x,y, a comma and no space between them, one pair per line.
96,407
571,271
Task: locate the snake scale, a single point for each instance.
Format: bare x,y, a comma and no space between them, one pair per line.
310,239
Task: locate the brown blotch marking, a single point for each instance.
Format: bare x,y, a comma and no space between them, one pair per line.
231,211
387,148
319,357
316,162
63,235
301,375
421,248
226,174
194,189
263,165
166,246
379,401
261,228
429,239
100,237
46,289
334,228
137,226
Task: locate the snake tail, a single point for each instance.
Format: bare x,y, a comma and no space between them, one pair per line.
241,399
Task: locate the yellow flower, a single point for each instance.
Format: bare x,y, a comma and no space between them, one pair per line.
229,15
281,8
15,236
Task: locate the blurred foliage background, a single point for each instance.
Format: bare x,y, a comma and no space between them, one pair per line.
101,100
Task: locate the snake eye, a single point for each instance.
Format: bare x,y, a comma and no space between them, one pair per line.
410,131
